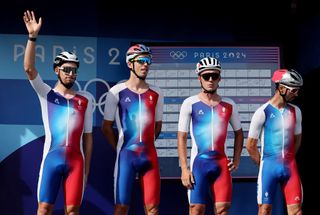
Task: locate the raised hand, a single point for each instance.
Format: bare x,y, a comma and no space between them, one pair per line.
31,23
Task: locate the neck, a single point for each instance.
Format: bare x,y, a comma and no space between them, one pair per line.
65,92
133,71
137,85
278,101
210,99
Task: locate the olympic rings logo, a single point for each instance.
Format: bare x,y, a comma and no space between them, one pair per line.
102,99
178,55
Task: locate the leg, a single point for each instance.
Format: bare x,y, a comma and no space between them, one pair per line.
293,191
124,177
265,209
151,209
72,210
221,208
222,189
44,208
294,209
150,186
197,209
121,209
267,185
73,182
49,180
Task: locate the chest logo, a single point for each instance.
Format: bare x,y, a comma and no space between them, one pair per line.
272,116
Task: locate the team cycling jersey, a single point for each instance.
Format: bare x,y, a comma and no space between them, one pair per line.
65,121
135,115
276,129
208,161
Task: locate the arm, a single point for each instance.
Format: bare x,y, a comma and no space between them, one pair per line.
253,150
186,175
157,129
256,126
238,137
87,149
108,132
237,149
110,110
297,142
297,130
33,28
183,128
159,114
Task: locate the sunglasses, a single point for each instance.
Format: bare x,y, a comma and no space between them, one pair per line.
143,60
293,90
213,76
68,70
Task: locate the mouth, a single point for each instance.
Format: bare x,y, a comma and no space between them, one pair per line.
144,69
70,79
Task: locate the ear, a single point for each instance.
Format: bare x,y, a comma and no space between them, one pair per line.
56,70
129,64
281,89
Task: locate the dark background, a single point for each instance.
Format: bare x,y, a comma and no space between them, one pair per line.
291,24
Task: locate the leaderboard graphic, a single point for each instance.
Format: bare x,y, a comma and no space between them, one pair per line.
246,78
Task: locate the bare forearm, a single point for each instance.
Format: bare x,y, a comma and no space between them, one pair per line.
238,145
157,129
109,133
297,142
87,148
253,150
182,149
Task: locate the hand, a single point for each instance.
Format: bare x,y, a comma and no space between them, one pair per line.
31,23
233,166
187,179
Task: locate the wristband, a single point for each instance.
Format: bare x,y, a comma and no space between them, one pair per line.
33,39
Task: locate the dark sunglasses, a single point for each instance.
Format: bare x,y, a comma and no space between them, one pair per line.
143,60
213,76
68,70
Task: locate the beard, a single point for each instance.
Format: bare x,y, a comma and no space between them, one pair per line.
66,85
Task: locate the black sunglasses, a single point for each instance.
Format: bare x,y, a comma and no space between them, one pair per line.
68,70
143,60
213,76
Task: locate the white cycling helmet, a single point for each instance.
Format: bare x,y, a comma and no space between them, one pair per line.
64,57
289,77
206,64
136,50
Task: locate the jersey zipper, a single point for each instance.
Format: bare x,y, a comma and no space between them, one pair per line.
140,119
68,111
282,121
212,144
